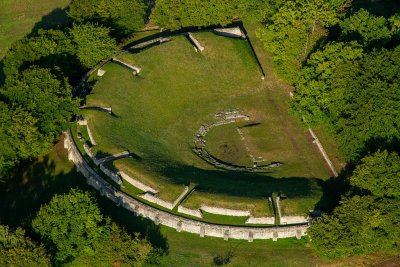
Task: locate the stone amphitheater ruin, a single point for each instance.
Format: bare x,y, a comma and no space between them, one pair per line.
185,219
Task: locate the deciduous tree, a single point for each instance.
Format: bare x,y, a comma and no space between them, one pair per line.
176,14
18,250
93,43
71,223
293,32
379,174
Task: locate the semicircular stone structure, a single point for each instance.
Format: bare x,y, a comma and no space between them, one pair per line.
177,222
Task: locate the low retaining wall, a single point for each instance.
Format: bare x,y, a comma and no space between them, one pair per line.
169,205
261,220
195,213
223,211
123,154
196,43
104,109
148,43
293,219
135,70
177,222
234,32
137,184
85,123
288,219
113,175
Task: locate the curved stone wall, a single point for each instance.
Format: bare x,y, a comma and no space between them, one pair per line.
177,222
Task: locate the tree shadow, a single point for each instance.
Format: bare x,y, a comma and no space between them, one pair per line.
57,18
333,190
385,8
244,184
35,182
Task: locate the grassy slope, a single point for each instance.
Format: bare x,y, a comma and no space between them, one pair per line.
18,18
156,117
35,183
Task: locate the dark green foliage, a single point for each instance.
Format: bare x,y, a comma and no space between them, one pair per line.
356,92
366,28
123,16
73,226
176,14
258,10
379,174
45,97
116,245
49,49
359,225
293,32
314,85
18,250
93,43
19,137
70,223
365,103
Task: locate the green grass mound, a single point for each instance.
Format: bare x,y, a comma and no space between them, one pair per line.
156,115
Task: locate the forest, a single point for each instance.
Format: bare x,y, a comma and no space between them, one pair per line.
341,56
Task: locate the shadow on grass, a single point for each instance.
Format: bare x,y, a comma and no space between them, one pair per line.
34,184
243,184
55,19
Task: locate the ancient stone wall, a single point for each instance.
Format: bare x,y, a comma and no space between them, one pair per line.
169,205
234,32
293,219
289,219
223,211
195,213
113,175
261,220
135,69
177,222
137,183
196,43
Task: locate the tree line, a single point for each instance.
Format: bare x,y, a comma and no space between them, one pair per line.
73,232
343,62
344,65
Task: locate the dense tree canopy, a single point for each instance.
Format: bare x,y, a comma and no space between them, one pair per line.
116,246
18,250
48,99
48,49
74,227
359,225
314,85
294,30
379,174
19,137
93,43
176,14
123,16
366,27
365,103
72,223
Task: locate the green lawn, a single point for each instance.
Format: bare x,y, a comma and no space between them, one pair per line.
20,17
225,143
157,113
36,182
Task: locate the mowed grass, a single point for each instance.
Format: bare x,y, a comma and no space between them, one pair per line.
258,206
35,183
19,17
225,143
156,114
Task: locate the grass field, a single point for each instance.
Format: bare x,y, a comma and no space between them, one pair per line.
157,113
20,17
36,182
